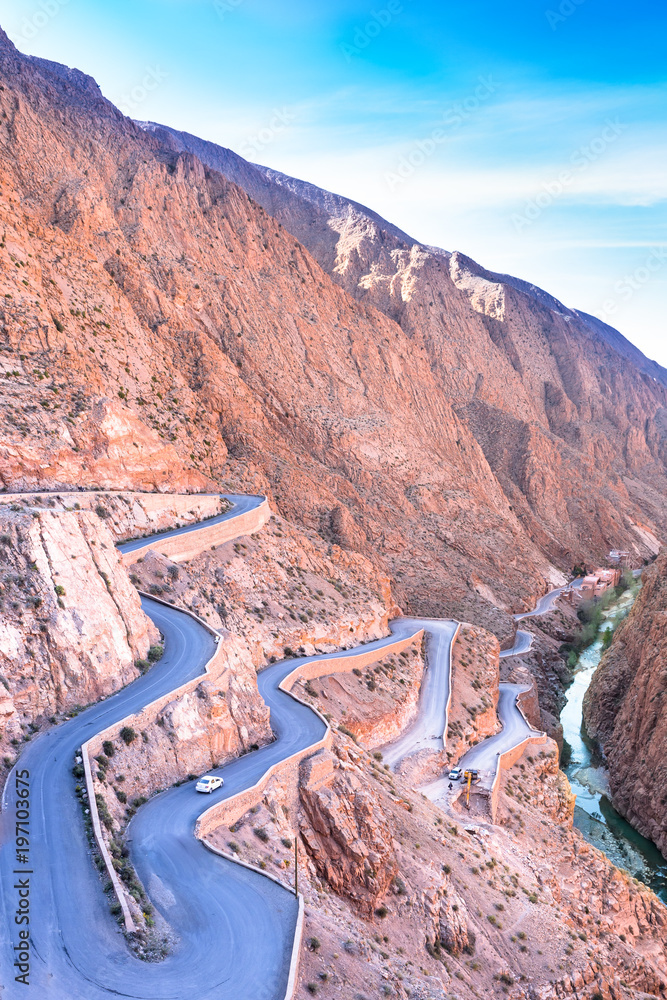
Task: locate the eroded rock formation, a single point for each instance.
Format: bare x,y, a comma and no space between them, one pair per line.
344,830
72,625
624,709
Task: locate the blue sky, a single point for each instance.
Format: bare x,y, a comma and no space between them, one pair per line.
528,135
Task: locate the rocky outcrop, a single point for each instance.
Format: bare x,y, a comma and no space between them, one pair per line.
198,729
109,447
72,625
126,515
554,397
374,705
475,678
624,711
345,831
283,590
446,919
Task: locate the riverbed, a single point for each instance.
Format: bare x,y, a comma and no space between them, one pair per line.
594,814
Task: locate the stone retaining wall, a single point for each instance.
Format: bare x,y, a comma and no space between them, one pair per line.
507,760
228,811
345,664
189,544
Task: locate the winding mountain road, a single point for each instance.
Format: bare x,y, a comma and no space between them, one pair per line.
428,729
234,928
548,602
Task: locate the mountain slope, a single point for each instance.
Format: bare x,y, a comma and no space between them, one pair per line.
572,418
159,329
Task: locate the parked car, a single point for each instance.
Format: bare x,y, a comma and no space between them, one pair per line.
455,774
208,784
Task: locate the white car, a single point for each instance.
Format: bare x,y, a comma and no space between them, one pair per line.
455,774
208,784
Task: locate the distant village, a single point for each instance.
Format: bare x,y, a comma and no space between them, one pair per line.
595,584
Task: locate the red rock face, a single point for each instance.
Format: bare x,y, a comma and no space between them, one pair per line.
72,625
623,709
345,831
161,331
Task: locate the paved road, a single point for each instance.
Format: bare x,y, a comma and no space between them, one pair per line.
241,505
523,642
235,928
426,732
548,602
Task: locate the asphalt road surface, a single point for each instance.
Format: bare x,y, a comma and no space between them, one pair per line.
234,927
523,642
426,732
241,504
483,757
548,602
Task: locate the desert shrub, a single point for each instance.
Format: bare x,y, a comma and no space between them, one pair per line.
127,734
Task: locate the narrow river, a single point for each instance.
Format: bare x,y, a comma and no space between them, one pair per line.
594,814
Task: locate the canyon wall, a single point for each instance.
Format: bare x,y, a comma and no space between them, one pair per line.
555,398
624,709
469,439
126,515
71,624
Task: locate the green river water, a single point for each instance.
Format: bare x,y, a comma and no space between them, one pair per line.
594,814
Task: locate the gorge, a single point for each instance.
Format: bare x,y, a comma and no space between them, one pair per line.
253,435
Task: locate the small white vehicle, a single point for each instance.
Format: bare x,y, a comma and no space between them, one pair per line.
208,784
455,774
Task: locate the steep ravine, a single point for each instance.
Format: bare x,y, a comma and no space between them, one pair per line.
624,710
586,767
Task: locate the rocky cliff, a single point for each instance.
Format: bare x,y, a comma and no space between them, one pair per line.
160,329
553,396
71,626
624,710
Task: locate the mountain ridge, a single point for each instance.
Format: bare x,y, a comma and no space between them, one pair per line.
160,328
260,182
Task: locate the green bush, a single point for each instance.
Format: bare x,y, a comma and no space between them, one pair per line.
155,653
108,748
127,734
